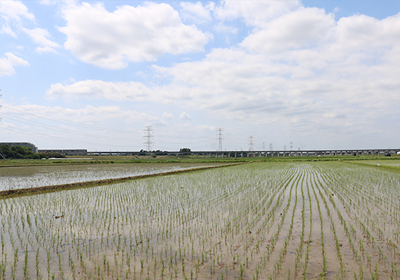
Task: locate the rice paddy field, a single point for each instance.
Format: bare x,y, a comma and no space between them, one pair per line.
39,176
307,220
391,163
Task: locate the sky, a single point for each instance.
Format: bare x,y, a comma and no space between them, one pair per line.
231,74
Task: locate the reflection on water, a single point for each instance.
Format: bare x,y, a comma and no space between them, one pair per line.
39,176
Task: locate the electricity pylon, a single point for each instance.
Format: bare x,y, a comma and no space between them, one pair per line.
220,138
251,143
148,138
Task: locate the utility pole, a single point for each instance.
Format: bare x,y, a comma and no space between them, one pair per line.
148,136
220,138
251,143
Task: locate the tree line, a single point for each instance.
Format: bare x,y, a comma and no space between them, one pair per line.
21,152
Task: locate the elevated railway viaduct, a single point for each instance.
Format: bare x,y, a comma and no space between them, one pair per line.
237,154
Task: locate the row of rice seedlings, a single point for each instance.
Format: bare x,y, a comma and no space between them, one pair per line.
188,226
306,260
355,252
329,193
374,227
246,248
79,231
299,251
283,251
369,226
323,273
337,244
274,238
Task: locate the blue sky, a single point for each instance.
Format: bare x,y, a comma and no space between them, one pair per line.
319,74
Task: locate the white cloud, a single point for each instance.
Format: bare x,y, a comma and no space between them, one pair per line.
40,37
8,62
305,72
364,36
88,113
254,13
96,89
293,30
6,29
184,116
221,27
167,116
48,2
129,34
196,12
12,13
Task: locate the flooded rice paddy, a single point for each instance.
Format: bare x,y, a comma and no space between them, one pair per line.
39,176
255,221
393,163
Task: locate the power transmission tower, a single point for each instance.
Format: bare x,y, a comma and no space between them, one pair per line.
271,147
251,143
148,137
284,148
263,146
220,138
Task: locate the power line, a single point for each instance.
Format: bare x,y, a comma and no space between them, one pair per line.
64,130
14,129
15,108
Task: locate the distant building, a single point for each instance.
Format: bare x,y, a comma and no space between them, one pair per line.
78,152
24,144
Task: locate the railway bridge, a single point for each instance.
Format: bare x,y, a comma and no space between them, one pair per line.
238,154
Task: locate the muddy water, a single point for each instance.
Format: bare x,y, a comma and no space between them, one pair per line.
214,224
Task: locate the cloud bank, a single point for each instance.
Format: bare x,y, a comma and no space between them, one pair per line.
129,34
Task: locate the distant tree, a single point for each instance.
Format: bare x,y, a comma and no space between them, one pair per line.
50,155
21,152
17,152
185,151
